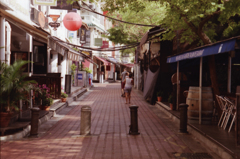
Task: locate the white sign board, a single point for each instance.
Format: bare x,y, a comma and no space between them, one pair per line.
45,2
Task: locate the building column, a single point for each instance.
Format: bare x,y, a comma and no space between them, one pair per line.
2,39
8,43
54,62
30,58
64,70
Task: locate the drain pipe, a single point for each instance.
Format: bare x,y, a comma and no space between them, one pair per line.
8,42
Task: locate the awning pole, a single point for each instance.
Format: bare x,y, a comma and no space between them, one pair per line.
200,92
178,84
137,76
229,73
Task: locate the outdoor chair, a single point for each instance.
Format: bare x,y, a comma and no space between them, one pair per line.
222,104
232,114
230,106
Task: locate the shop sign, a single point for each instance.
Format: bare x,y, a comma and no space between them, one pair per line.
98,42
88,39
82,34
45,2
41,19
72,34
88,53
62,4
105,44
38,17
80,76
54,25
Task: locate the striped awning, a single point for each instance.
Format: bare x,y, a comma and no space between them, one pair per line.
105,62
63,49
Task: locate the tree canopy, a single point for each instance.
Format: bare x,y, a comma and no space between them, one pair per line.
203,20
125,33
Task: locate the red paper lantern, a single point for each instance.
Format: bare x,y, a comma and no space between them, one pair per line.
72,21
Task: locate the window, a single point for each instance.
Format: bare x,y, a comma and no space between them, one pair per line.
108,68
15,56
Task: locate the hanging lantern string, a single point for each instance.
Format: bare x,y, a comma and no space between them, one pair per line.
90,10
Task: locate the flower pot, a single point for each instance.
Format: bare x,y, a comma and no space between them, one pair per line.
171,106
42,107
5,119
159,99
64,99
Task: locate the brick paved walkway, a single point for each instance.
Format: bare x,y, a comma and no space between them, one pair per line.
109,132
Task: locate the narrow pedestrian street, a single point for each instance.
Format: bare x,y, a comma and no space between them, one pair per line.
110,119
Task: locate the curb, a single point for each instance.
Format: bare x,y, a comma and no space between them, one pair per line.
56,108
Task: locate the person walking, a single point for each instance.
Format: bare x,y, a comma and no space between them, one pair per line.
128,88
123,76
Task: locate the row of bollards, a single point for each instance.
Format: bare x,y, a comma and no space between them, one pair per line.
134,119
85,122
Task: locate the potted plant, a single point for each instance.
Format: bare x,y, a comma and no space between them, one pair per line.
64,96
13,87
159,95
46,97
46,103
73,69
170,101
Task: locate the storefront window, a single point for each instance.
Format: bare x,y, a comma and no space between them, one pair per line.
108,68
40,59
16,56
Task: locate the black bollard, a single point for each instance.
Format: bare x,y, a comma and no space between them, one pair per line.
85,125
183,117
34,121
134,120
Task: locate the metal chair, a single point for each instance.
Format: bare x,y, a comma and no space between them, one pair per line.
233,114
230,107
222,104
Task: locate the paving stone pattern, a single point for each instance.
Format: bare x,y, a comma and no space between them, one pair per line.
109,137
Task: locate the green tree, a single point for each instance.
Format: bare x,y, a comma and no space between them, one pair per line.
199,20
14,85
123,33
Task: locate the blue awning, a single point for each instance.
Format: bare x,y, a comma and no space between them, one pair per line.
216,48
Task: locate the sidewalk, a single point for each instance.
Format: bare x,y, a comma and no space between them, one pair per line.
221,141
59,137
22,126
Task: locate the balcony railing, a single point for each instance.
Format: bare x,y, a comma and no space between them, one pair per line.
89,19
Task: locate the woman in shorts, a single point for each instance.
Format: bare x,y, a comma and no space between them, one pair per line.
128,88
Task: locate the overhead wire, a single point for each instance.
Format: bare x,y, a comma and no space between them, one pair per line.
98,49
109,49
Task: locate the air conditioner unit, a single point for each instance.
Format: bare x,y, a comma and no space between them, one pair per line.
92,6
